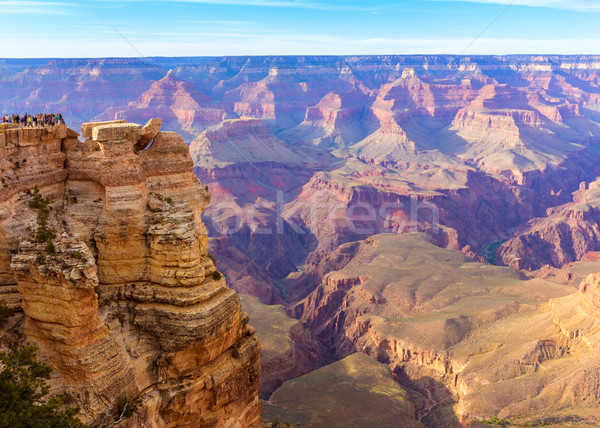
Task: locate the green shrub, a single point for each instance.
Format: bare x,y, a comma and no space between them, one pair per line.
5,313
43,234
49,248
162,198
23,391
38,201
497,421
126,408
217,275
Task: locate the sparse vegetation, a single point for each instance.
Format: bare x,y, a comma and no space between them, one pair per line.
275,423
44,233
508,422
49,248
217,275
158,220
23,392
161,198
5,313
490,251
126,408
38,200
77,255
497,421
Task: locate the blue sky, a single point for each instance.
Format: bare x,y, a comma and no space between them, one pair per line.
133,28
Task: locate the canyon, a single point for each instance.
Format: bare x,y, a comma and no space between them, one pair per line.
438,214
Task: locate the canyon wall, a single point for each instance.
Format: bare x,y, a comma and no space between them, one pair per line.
103,249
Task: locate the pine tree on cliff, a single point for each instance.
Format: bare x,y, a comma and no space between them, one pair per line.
23,391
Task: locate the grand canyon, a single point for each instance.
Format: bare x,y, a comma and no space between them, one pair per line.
414,240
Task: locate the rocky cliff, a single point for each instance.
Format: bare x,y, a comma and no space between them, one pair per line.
103,249
565,234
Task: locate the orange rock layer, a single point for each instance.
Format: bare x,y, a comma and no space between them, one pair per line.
127,302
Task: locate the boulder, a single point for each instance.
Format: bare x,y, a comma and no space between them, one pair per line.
86,128
115,133
150,130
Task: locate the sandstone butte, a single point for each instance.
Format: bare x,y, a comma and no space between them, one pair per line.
129,303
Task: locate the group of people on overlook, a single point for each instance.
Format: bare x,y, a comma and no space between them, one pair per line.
42,119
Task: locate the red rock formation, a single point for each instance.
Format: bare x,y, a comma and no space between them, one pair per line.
180,105
566,234
591,288
128,228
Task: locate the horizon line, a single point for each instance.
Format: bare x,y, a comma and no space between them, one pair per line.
311,55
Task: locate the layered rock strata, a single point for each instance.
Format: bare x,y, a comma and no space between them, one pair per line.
103,248
470,340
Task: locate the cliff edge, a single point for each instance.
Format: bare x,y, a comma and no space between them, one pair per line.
103,249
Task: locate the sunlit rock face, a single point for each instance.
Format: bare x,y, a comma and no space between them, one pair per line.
120,295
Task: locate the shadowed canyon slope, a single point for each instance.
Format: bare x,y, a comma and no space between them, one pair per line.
104,250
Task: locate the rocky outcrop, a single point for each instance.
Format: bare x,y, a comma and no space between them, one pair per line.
590,286
104,248
180,104
149,131
62,319
566,234
335,121
239,141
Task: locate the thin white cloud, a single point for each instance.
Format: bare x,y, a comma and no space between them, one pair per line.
35,7
577,5
227,44
203,22
297,4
